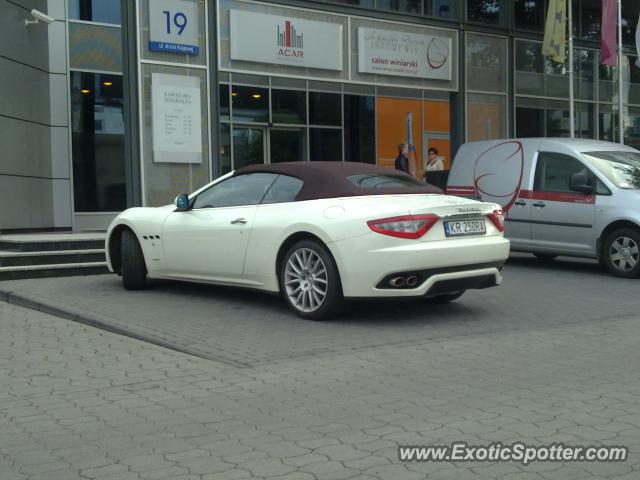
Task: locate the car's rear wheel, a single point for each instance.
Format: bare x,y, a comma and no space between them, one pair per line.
134,270
310,282
444,298
621,253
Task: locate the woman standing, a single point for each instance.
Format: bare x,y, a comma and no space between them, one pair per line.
434,163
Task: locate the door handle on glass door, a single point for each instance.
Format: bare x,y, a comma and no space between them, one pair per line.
238,221
520,203
539,204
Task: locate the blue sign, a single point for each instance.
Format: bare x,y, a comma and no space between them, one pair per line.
174,48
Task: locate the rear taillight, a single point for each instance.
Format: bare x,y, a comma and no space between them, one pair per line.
497,217
407,226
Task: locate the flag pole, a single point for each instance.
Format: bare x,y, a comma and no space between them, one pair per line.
620,86
572,115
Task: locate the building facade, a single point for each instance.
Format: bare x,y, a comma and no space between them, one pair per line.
130,102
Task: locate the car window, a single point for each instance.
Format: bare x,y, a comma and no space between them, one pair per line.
384,180
554,171
621,168
284,189
247,189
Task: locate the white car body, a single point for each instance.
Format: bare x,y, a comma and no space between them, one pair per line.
204,245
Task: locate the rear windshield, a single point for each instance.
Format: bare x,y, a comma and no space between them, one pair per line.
384,180
621,168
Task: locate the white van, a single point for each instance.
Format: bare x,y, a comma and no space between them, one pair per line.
560,196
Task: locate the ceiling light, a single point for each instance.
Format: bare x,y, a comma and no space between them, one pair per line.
256,96
107,84
234,94
85,91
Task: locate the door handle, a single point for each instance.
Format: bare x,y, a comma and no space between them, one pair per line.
520,203
539,204
238,221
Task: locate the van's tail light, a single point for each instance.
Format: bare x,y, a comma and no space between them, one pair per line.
407,226
497,217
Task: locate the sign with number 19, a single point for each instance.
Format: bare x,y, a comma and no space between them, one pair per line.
173,26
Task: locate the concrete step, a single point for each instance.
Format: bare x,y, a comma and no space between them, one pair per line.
19,259
51,242
53,270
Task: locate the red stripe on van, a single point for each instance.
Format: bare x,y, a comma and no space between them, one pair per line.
557,196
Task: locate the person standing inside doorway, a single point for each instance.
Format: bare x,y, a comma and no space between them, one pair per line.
434,163
402,160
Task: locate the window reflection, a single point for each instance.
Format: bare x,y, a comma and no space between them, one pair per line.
529,14
250,104
484,11
97,142
103,11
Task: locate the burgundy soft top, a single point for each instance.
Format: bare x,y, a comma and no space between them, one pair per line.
329,179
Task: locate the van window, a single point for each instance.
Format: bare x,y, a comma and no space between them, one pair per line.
554,171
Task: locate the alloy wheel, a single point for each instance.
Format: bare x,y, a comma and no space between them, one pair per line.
306,280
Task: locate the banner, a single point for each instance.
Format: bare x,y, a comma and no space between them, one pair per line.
554,44
638,42
258,37
608,54
387,52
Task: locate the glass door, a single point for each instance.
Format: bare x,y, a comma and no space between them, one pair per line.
249,146
287,145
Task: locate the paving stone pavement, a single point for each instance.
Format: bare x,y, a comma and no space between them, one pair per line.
81,403
245,328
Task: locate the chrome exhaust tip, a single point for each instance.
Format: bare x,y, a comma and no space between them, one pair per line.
412,281
397,282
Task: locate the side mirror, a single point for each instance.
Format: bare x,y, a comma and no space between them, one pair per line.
182,202
580,183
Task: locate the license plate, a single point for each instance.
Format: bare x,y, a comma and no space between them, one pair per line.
465,227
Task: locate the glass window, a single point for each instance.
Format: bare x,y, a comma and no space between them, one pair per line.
248,146
486,117
634,80
250,104
621,168
97,121
247,189
288,106
587,17
484,11
95,47
442,8
405,6
225,148
325,144
381,180
537,75
102,11
557,120
360,128
607,123
325,109
287,145
486,63
223,96
554,171
632,128
584,67
529,118
629,22
529,14
284,189
585,115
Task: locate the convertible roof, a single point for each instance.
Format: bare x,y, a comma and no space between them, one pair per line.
329,179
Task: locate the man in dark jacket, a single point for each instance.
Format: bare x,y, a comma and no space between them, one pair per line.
402,160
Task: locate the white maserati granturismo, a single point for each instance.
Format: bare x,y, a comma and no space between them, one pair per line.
317,232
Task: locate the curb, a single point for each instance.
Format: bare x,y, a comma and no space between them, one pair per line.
82,317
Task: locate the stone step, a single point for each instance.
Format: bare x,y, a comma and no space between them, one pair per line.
51,242
18,259
53,270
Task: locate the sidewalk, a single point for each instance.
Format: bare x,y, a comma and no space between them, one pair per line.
77,402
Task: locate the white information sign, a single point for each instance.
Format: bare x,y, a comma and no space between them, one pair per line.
176,118
173,26
257,37
387,52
